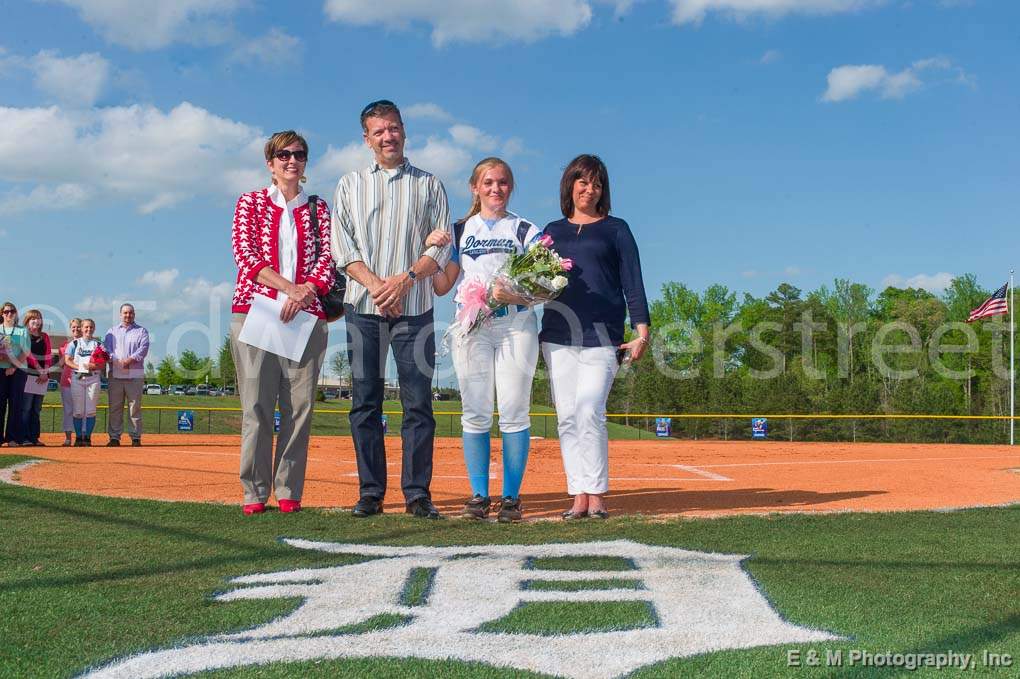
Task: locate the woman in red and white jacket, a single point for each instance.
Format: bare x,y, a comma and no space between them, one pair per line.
276,256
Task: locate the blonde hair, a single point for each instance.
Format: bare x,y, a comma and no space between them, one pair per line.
481,168
29,315
88,320
74,320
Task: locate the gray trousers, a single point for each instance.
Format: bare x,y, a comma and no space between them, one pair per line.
119,390
262,380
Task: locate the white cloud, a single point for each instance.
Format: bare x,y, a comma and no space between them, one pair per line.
792,271
76,80
172,300
137,153
934,283
275,49
59,197
694,11
468,20
152,24
473,138
426,111
849,82
162,280
449,156
770,57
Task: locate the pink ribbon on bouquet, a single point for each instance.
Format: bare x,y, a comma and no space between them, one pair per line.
473,296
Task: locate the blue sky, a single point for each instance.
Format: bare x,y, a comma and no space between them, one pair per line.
749,142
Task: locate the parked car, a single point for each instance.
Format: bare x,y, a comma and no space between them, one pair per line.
229,390
178,390
215,392
331,392
153,390
189,391
202,389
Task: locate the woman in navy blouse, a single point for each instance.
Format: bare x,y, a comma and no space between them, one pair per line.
582,333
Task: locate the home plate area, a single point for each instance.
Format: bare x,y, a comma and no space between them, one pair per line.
665,478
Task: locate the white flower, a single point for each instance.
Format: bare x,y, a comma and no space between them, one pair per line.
559,282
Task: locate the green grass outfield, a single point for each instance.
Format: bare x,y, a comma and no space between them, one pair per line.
323,423
84,580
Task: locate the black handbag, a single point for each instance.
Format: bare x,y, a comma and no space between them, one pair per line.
333,301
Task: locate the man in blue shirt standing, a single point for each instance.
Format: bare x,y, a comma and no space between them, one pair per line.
128,345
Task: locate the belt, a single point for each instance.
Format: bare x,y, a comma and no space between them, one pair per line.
505,310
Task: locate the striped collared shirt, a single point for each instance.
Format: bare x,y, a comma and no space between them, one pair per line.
382,218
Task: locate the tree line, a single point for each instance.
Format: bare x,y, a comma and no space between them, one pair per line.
836,350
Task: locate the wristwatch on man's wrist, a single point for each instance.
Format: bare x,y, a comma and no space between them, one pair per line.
412,275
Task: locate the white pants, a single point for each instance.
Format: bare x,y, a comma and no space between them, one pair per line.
85,395
67,401
500,355
581,378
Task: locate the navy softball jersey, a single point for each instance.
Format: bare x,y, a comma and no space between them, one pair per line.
605,284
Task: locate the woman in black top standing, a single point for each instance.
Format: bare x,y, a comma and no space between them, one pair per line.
582,333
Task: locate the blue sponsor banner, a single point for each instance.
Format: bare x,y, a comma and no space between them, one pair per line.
759,427
385,424
185,420
276,421
663,427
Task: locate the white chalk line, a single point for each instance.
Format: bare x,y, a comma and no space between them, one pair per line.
865,461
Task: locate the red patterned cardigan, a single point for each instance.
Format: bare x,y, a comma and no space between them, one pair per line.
255,241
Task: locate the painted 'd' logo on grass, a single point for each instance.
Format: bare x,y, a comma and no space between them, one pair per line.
595,609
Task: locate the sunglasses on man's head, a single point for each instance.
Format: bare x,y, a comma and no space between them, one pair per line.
284,155
380,102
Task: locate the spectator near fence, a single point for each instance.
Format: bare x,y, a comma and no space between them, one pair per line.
81,356
66,401
14,345
128,345
37,368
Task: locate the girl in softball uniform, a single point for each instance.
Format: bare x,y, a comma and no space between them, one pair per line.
499,358
84,382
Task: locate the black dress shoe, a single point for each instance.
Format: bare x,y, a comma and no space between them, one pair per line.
367,506
136,443
423,509
113,443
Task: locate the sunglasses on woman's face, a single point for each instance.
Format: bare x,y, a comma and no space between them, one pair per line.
9,311
284,155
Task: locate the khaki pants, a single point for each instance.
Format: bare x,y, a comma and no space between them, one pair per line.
262,379
119,390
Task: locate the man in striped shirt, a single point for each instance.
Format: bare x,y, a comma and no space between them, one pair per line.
381,218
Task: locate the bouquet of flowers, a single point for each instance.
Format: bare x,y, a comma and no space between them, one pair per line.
99,358
536,275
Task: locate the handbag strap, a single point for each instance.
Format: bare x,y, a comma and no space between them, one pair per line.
313,217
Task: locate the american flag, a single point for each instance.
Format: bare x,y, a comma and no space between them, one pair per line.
993,306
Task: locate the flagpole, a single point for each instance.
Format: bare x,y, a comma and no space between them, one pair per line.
1012,372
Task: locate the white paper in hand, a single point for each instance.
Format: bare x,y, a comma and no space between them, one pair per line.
35,388
264,330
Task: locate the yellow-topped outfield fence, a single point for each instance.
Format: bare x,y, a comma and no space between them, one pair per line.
816,426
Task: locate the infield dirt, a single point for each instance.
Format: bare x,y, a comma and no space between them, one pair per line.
664,478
